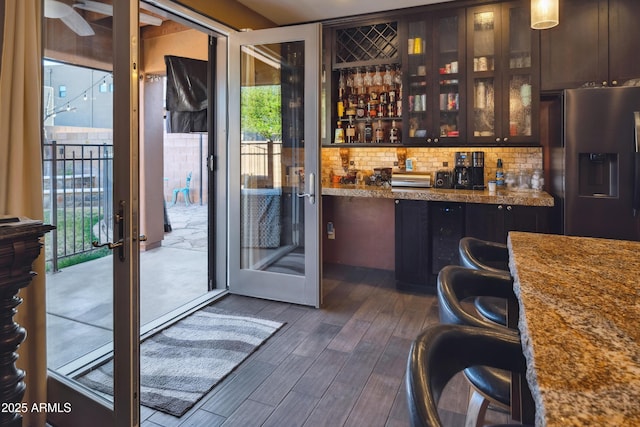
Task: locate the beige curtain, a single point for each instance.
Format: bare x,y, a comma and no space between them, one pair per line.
21,174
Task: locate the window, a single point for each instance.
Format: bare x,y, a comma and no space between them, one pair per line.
62,91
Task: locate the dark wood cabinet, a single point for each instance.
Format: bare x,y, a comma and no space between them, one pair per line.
502,74
493,222
447,228
435,79
412,252
596,43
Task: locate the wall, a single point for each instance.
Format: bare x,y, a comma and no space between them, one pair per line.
432,159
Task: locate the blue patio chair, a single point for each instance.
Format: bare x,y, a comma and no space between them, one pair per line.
184,190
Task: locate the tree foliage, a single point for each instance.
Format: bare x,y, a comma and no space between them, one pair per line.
261,106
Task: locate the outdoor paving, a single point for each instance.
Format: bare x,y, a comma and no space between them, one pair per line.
80,297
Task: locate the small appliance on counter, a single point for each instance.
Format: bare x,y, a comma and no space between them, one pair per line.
462,170
444,179
411,180
468,173
381,177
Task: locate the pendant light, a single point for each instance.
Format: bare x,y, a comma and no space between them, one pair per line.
544,14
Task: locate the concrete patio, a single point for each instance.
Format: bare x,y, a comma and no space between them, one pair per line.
80,298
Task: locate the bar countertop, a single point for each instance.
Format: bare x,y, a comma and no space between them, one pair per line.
524,198
580,326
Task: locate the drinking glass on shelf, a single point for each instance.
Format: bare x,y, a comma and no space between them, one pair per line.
367,79
387,79
377,78
358,81
397,79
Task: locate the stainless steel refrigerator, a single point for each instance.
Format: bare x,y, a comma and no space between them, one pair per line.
596,171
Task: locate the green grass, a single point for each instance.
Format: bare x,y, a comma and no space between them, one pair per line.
78,228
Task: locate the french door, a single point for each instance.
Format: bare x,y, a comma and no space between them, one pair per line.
112,48
274,190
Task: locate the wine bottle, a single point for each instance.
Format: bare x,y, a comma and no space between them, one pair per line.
394,133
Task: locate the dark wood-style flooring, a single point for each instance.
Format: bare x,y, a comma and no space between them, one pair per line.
342,365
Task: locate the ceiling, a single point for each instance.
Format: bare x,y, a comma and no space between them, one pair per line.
285,12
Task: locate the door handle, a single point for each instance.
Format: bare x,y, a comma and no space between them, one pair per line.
119,244
312,189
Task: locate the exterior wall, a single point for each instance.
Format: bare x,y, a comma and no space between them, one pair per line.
181,156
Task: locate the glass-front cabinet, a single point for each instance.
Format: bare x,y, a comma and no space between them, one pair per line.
501,49
435,79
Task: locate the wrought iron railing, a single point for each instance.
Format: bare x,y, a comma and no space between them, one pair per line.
78,198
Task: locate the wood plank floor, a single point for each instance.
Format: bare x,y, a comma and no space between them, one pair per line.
342,365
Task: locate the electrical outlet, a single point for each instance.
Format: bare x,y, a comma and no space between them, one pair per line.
445,164
395,163
331,231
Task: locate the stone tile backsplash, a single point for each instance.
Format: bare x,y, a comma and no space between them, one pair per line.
514,159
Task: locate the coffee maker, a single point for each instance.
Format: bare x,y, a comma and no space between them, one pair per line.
462,170
469,170
477,170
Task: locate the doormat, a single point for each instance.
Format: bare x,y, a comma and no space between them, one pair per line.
182,363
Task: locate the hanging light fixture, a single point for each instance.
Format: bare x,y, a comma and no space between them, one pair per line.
544,14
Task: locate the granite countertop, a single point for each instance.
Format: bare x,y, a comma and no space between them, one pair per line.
525,198
580,326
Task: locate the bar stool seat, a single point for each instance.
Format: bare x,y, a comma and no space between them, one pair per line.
455,284
441,351
484,255
490,256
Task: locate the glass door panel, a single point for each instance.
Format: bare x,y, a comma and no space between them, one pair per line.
274,141
90,88
449,69
519,56
420,121
483,56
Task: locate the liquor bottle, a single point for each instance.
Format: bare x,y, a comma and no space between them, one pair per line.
499,174
339,138
368,131
379,134
394,133
351,131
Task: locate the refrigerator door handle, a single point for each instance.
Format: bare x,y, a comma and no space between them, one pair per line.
636,178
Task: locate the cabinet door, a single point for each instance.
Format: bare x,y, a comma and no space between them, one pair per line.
419,68
486,222
435,78
412,244
576,51
447,228
483,49
527,218
520,56
624,40
449,77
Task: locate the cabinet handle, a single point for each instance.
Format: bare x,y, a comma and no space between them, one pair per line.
509,208
604,83
614,83
436,140
497,139
500,207
505,139
397,202
428,139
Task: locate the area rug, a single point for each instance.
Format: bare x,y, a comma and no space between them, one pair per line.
182,363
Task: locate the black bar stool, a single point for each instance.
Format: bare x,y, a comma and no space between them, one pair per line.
456,284
489,256
441,351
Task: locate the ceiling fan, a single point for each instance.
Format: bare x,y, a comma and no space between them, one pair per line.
73,20
57,10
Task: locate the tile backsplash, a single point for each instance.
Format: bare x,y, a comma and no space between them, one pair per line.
430,160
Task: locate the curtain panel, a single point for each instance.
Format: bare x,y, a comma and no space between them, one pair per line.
21,174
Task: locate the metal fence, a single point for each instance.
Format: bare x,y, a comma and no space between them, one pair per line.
78,198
